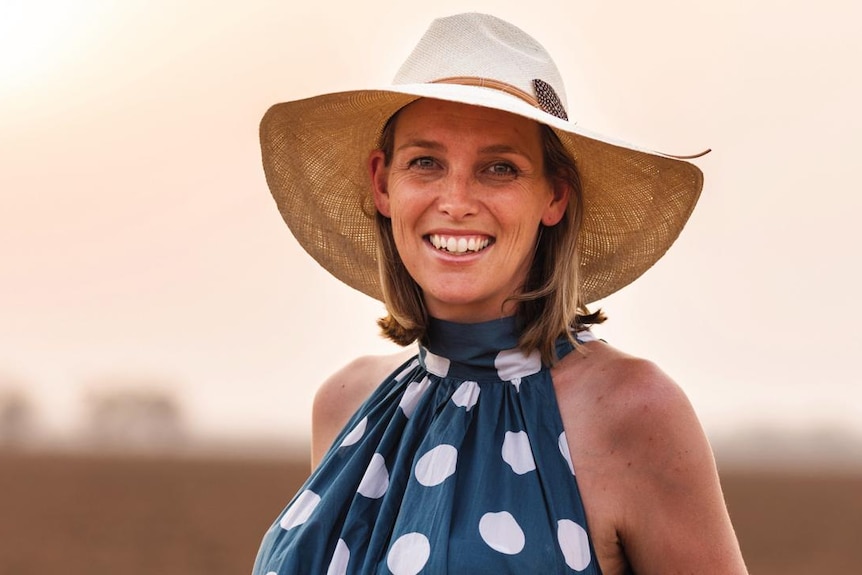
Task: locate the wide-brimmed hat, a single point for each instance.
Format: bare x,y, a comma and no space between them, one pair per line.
315,154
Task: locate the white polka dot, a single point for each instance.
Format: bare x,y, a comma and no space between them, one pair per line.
585,336
574,543
300,510
564,449
517,452
435,466
410,367
408,554
338,565
501,532
411,396
375,482
436,364
516,381
467,395
512,363
355,434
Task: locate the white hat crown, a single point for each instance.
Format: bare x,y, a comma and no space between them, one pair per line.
484,50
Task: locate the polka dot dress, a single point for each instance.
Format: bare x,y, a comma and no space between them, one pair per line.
457,463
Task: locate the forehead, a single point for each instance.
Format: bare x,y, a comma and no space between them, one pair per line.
439,118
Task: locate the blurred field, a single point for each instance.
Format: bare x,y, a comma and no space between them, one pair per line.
172,515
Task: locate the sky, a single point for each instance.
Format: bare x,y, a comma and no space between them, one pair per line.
139,243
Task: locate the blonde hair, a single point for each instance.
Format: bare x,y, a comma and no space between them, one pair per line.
549,305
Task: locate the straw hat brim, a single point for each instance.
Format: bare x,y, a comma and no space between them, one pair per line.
315,154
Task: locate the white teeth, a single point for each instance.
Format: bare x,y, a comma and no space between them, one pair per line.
459,245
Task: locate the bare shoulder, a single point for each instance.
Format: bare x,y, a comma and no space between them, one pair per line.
647,418
629,416
646,465
631,397
341,394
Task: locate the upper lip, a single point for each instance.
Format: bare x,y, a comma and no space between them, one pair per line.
458,233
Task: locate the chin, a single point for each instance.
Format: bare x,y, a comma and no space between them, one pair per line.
463,307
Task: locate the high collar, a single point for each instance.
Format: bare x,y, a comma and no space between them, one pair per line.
482,351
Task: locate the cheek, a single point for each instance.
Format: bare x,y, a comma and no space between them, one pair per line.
404,221
400,232
406,208
523,216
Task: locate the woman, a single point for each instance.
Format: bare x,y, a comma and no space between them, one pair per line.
513,441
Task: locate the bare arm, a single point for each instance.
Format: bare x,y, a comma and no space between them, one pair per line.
674,520
341,395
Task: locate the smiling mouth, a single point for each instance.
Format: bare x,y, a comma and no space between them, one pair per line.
459,244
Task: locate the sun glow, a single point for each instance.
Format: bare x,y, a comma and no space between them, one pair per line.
40,39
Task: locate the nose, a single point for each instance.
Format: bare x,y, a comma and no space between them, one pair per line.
457,197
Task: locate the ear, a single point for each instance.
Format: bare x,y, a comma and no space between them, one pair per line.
554,211
379,182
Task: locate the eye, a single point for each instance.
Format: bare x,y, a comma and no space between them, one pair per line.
423,163
502,169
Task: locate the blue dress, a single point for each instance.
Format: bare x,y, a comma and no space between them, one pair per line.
457,463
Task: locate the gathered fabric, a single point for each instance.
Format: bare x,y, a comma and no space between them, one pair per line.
457,463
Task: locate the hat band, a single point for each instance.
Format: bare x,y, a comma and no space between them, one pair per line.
546,100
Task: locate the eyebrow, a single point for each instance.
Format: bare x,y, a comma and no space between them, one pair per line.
418,143
502,149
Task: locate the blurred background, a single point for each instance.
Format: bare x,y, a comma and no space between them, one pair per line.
162,335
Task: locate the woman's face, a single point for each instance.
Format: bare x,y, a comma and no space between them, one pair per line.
466,192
